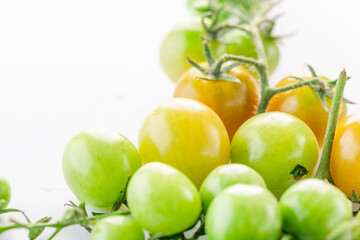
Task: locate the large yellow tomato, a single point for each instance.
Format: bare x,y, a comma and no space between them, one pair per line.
187,135
233,102
345,158
304,104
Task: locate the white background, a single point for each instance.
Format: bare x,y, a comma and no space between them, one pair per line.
69,65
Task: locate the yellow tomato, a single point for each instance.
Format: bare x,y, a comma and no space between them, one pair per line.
187,135
345,158
304,104
233,102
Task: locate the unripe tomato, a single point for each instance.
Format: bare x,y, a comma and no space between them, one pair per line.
244,212
304,104
5,192
185,40
162,199
117,227
97,164
279,146
345,157
225,176
233,102
187,135
312,208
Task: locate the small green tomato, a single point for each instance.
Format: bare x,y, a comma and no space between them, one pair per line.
162,199
5,192
244,212
225,176
117,228
97,164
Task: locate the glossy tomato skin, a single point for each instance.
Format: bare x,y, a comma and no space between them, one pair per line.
243,212
162,199
273,144
312,208
185,41
117,227
97,164
233,102
304,104
5,192
225,176
345,157
187,135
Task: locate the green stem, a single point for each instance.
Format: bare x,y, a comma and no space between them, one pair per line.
64,223
323,171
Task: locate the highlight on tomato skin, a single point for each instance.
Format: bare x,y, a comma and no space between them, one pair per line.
303,103
233,102
345,157
185,134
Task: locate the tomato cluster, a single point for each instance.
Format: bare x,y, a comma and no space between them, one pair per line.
208,161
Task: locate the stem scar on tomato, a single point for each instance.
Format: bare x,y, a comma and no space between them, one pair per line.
299,171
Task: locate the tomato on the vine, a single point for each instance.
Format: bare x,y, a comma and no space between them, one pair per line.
187,135
117,227
225,176
233,102
97,164
243,212
162,199
345,157
304,104
5,192
312,208
279,146
185,41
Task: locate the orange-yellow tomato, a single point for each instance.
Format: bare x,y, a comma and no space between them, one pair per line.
345,158
187,135
304,104
233,102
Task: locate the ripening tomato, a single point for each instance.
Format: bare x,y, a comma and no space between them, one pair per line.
312,208
304,104
233,102
244,212
345,157
187,135
5,192
162,199
116,228
225,176
279,146
97,164
185,40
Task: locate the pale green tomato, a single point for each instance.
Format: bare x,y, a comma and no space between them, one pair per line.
187,135
279,146
162,199
225,176
117,228
312,208
97,164
5,192
244,212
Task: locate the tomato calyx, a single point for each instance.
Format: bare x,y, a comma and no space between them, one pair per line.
299,171
355,197
122,198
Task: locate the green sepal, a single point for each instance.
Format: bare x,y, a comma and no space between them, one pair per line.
35,232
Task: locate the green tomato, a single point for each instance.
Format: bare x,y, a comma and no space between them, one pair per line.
162,199
279,146
225,176
243,212
312,208
185,40
97,164
117,227
187,135
5,192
